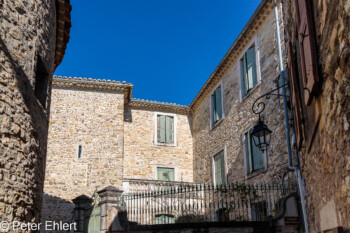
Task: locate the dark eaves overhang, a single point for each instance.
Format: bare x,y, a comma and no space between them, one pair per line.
63,9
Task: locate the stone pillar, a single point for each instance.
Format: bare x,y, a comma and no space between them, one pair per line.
111,212
81,203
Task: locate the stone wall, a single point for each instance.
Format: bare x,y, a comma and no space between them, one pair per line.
228,134
325,153
142,155
92,119
27,32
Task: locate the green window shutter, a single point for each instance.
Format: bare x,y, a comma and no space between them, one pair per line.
219,168
243,83
165,174
257,156
218,103
250,68
161,128
213,102
169,123
247,153
223,175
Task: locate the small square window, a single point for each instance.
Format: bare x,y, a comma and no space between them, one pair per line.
254,157
165,174
248,71
259,211
79,152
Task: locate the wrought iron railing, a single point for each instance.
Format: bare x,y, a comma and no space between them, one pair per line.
170,203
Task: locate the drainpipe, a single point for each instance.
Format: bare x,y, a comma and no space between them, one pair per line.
295,168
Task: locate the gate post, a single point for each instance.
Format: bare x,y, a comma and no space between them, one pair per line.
110,210
80,203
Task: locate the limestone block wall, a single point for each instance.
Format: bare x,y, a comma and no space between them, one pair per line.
92,119
27,32
228,134
325,154
142,155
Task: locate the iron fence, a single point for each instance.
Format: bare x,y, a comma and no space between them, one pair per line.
168,203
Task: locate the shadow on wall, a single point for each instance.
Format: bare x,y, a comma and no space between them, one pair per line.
34,129
57,209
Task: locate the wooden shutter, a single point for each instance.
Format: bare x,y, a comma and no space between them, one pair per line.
307,46
213,102
169,124
223,175
243,82
296,97
250,68
218,104
247,152
257,156
165,174
161,128
218,169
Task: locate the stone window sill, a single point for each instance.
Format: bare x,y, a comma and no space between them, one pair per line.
217,123
256,173
251,92
165,144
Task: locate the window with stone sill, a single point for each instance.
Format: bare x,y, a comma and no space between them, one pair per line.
248,70
165,129
216,105
254,158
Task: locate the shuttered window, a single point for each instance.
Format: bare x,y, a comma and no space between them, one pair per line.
219,169
296,96
216,106
165,174
307,48
254,157
248,71
165,129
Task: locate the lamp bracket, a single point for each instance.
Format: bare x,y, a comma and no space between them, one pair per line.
259,107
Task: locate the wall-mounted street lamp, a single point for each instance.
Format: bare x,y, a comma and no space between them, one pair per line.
261,134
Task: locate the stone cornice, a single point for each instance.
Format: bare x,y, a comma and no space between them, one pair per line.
94,84
63,22
246,35
159,106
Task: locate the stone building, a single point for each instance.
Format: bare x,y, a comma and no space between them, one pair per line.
99,135
240,87
33,38
318,37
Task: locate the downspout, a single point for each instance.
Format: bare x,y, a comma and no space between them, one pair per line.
290,164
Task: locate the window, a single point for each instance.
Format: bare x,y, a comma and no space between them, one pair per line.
165,174
41,81
79,152
254,156
259,211
165,129
219,168
248,71
164,219
216,106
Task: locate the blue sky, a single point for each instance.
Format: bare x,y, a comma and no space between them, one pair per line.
166,48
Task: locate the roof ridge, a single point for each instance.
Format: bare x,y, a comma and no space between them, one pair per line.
90,80
159,102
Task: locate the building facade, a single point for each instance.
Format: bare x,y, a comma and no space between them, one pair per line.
33,38
317,33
